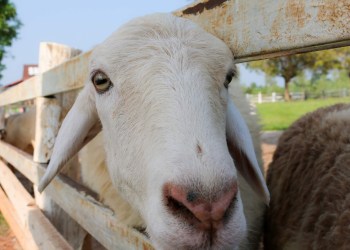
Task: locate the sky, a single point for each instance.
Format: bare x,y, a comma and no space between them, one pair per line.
82,25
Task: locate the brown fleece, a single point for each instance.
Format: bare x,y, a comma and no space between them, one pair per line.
309,181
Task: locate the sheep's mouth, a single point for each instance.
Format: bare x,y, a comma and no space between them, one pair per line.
209,234
181,211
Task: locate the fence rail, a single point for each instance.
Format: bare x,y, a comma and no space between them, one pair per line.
253,29
79,203
260,29
297,96
68,76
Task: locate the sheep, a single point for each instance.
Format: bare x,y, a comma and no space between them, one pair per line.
309,183
2,122
178,151
19,131
22,130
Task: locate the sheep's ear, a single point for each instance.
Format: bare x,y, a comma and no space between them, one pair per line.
78,128
241,148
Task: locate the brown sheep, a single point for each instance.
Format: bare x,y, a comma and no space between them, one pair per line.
309,182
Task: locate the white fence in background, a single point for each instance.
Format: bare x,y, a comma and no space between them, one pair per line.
297,96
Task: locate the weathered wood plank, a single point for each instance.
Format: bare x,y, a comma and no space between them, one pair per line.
67,76
97,219
47,120
24,237
258,29
48,115
31,218
53,54
28,89
255,29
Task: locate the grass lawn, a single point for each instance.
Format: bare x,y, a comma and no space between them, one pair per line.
3,225
279,115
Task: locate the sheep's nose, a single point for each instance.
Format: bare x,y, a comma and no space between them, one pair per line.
197,210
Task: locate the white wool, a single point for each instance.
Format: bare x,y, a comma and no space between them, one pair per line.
167,100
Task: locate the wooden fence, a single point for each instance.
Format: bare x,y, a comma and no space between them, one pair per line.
298,96
254,29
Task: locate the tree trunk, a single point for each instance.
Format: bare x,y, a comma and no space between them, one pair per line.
287,96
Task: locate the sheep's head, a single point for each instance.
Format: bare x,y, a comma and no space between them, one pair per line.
159,88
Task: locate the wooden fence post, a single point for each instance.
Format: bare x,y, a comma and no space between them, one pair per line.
48,118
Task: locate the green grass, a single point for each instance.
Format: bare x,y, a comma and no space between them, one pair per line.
3,225
280,115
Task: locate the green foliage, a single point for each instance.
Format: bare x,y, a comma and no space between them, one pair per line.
314,87
3,225
293,65
280,115
9,25
318,63
254,89
318,84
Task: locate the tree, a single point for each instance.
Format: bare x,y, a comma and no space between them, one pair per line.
344,58
291,66
9,25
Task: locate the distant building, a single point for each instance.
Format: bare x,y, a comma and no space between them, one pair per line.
29,70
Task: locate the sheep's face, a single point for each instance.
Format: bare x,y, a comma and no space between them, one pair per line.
159,88
163,115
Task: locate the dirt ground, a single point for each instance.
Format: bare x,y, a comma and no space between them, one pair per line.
269,140
268,145
8,241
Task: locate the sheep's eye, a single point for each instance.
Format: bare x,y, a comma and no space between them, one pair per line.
101,82
228,79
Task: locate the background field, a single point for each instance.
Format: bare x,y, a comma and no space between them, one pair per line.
279,115
3,225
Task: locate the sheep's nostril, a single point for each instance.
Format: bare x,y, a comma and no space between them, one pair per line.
179,209
196,210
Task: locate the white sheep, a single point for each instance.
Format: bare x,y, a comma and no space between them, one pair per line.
2,122
158,86
22,132
309,183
